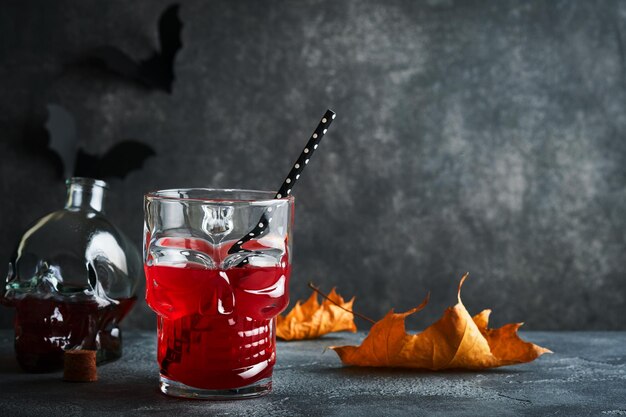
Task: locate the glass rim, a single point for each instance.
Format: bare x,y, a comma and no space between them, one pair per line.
86,181
268,196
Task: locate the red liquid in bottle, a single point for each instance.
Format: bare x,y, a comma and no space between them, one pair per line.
216,328
45,328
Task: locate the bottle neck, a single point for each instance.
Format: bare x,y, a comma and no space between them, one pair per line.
85,194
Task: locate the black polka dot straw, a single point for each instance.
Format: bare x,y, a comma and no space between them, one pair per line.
290,181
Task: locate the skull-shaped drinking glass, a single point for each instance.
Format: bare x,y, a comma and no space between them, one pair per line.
217,266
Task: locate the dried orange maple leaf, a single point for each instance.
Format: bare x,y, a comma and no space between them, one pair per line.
311,320
456,341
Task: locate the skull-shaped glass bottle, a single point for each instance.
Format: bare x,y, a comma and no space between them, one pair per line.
72,279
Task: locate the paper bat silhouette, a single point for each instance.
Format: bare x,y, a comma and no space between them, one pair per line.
118,161
155,72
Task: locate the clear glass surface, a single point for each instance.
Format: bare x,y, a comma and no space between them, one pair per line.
217,265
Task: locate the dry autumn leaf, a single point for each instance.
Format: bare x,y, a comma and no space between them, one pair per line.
456,341
310,319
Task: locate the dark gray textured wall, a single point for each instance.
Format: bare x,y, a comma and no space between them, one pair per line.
471,136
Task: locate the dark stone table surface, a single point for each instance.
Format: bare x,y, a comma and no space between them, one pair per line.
585,376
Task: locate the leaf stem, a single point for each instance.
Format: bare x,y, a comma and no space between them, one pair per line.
317,290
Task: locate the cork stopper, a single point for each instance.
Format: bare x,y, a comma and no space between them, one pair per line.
80,366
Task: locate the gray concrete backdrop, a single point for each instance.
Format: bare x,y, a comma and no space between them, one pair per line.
481,136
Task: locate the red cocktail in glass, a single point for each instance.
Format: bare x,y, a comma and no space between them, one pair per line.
216,306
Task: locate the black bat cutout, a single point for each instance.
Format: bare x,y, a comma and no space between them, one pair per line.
122,158
155,72
61,129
